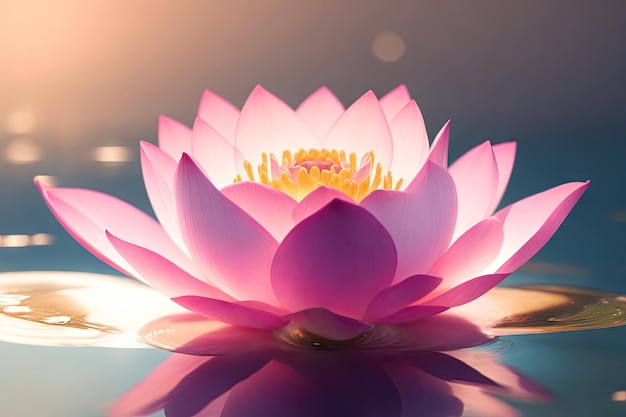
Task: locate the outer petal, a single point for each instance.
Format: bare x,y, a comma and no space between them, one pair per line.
470,254
220,114
228,244
466,292
174,137
394,298
394,101
475,176
267,124
338,258
412,313
505,157
268,206
216,155
363,128
327,324
315,200
410,142
86,214
162,275
158,170
421,220
231,313
531,222
320,110
439,148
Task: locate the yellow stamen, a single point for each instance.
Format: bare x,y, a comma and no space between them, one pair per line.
305,170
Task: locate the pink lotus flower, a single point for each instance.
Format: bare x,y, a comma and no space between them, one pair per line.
350,220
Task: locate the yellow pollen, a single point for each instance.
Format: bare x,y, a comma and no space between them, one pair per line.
300,173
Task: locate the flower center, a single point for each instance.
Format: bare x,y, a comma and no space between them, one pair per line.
300,173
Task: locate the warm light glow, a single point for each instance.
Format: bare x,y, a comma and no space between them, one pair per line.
112,154
22,151
20,122
15,241
50,180
619,396
41,239
21,241
388,47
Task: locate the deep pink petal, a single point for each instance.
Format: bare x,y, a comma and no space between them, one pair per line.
411,313
466,292
470,254
410,142
327,324
86,214
268,206
163,275
338,258
229,245
394,298
158,170
231,313
220,114
421,220
320,110
174,137
215,154
531,222
475,176
439,148
505,158
267,124
315,200
363,128
394,101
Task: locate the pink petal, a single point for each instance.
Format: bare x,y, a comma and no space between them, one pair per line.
410,142
394,298
268,206
220,114
421,220
338,258
531,222
363,128
158,170
229,245
466,292
86,214
411,313
315,200
320,110
215,154
439,148
470,254
505,158
475,176
231,313
267,124
394,101
174,137
162,275
327,324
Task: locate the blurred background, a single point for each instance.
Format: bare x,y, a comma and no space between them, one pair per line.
81,82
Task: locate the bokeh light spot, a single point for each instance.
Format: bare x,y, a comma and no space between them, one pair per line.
20,122
388,47
22,151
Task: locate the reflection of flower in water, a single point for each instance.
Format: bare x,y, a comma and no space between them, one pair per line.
319,238
258,375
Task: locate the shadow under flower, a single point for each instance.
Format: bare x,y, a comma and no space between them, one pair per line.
259,373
